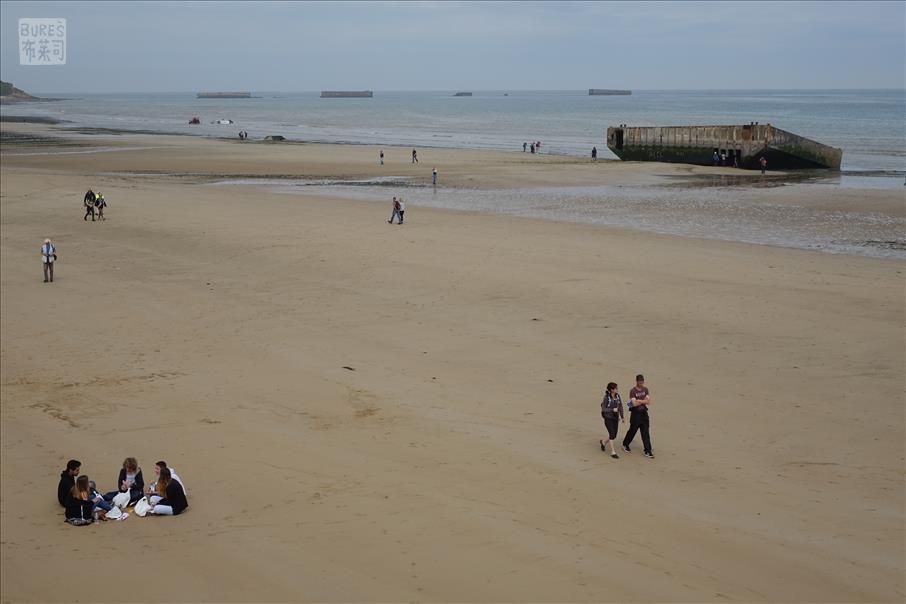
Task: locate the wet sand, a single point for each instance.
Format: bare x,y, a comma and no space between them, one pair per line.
410,413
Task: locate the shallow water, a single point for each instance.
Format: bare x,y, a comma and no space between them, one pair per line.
729,213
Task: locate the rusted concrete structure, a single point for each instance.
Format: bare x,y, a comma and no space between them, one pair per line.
743,145
607,92
346,94
224,95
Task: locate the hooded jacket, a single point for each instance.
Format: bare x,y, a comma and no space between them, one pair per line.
67,481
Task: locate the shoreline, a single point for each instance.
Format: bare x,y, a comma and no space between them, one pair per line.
435,387
794,212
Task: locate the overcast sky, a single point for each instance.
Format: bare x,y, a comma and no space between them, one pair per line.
295,46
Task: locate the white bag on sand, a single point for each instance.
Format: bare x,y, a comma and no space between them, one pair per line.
114,514
142,507
121,500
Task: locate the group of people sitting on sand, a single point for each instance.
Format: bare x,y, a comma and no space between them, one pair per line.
84,504
94,202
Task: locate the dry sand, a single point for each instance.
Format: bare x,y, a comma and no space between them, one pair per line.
371,413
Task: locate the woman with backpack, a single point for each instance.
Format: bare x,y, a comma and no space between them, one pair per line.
612,413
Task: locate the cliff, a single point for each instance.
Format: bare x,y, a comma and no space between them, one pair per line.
11,94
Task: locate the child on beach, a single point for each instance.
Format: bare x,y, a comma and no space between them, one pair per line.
100,203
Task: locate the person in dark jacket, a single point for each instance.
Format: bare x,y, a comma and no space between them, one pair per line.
174,498
67,479
79,506
130,479
612,413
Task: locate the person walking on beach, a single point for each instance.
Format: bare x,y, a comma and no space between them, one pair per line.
100,203
764,164
402,212
524,145
639,400
89,200
434,176
594,153
48,257
382,157
396,212
532,148
414,157
612,413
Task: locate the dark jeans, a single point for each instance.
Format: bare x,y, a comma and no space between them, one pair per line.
48,269
401,213
89,210
638,421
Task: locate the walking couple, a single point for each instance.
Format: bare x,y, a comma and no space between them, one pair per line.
399,209
612,413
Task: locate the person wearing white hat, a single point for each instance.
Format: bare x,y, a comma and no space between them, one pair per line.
48,256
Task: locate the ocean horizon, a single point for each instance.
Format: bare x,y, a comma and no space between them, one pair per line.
868,124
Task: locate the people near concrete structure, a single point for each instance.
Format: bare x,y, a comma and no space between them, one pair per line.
723,157
79,506
414,157
639,401
153,497
172,500
67,479
402,210
130,479
715,157
48,257
382,157
736,159
434,176
89,200
612,414
100,203
594,153
395,212
763,163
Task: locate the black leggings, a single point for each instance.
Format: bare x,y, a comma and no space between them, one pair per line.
612,424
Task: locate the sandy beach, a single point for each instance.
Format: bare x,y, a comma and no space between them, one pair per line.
371,413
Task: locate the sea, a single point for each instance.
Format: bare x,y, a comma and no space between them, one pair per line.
869,125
